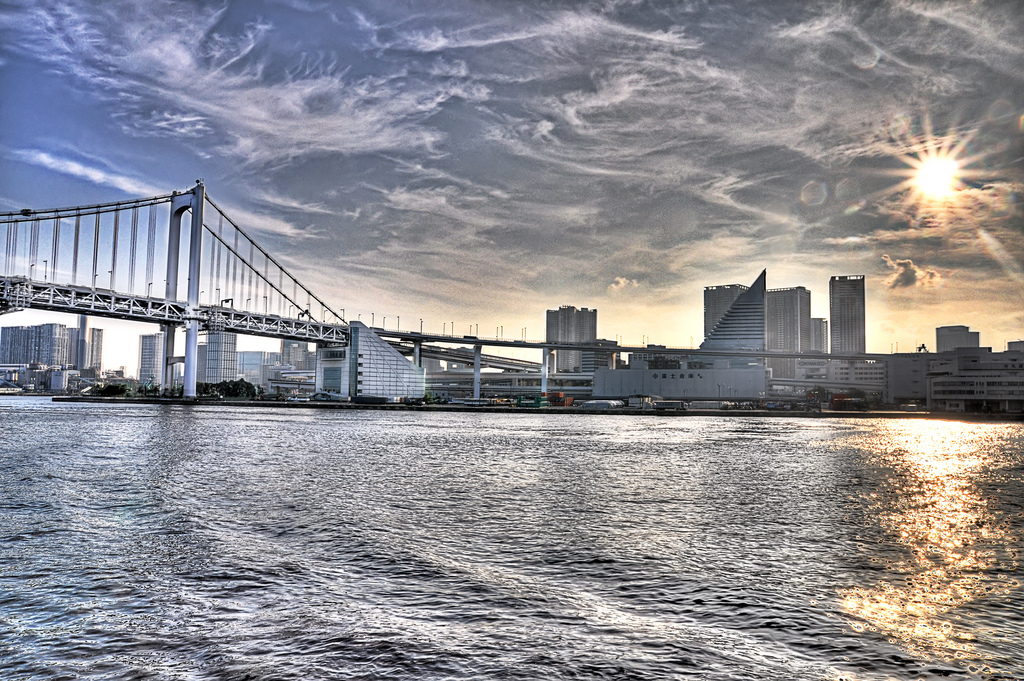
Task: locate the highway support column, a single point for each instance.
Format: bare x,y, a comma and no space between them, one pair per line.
476,372
544,371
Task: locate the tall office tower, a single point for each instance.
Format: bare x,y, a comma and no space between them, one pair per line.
717,300
14,344
78,344
151,358
788,327
296,353
742,327
46,344
846,314
73,335
221,357
819,334
569,325
95,349
201,362
953,337
249,363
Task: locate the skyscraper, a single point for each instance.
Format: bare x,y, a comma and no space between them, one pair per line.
742,327
569,325
788,312
95,349
819,334
46,344
297,354
78,343
251,363
221,357
717,300
151,357
846,314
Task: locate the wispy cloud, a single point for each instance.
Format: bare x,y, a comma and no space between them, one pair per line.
129,185
169,83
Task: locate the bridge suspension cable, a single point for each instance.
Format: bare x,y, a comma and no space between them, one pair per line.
64,246
40,244
274,294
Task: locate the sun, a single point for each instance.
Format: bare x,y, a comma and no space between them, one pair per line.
936,178
937,167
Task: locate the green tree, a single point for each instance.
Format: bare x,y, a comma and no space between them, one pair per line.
112,390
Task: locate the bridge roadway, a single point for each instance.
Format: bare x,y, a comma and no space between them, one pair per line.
21,293
414,336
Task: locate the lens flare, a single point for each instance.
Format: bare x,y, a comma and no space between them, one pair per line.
937,177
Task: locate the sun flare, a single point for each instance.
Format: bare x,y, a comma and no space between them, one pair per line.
937,177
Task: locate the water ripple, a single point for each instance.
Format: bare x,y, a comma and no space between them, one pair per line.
173,542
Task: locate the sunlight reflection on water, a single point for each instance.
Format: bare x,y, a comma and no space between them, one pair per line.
957,550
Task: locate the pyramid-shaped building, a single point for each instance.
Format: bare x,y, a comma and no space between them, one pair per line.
743,325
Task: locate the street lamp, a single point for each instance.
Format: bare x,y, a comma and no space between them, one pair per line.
398,323
46,270
421,326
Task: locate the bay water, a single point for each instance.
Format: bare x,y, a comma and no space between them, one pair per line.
219,542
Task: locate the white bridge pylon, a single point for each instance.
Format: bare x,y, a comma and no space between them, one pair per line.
231,283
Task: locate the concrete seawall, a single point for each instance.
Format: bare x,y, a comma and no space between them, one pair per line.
739,413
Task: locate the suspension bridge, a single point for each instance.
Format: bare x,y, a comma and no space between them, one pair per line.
114,259
133,260
103,260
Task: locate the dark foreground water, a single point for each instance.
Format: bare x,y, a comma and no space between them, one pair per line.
170,542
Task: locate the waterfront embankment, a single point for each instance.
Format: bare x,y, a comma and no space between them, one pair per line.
503,409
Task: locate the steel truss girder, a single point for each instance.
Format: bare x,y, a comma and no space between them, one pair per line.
271,325
19,293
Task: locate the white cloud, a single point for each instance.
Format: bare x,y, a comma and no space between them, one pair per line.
622,284
129,185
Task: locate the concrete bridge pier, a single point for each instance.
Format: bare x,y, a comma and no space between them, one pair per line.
193,201
417,353
195,253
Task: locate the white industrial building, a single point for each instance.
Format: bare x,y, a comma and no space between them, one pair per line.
719,383
977,380
368,367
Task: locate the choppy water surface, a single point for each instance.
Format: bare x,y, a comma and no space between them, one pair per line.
171,542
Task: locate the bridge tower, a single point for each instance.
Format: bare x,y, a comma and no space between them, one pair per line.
192,200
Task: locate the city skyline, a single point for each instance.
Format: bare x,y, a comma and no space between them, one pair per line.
612,157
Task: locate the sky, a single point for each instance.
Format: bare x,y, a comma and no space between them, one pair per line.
477,163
